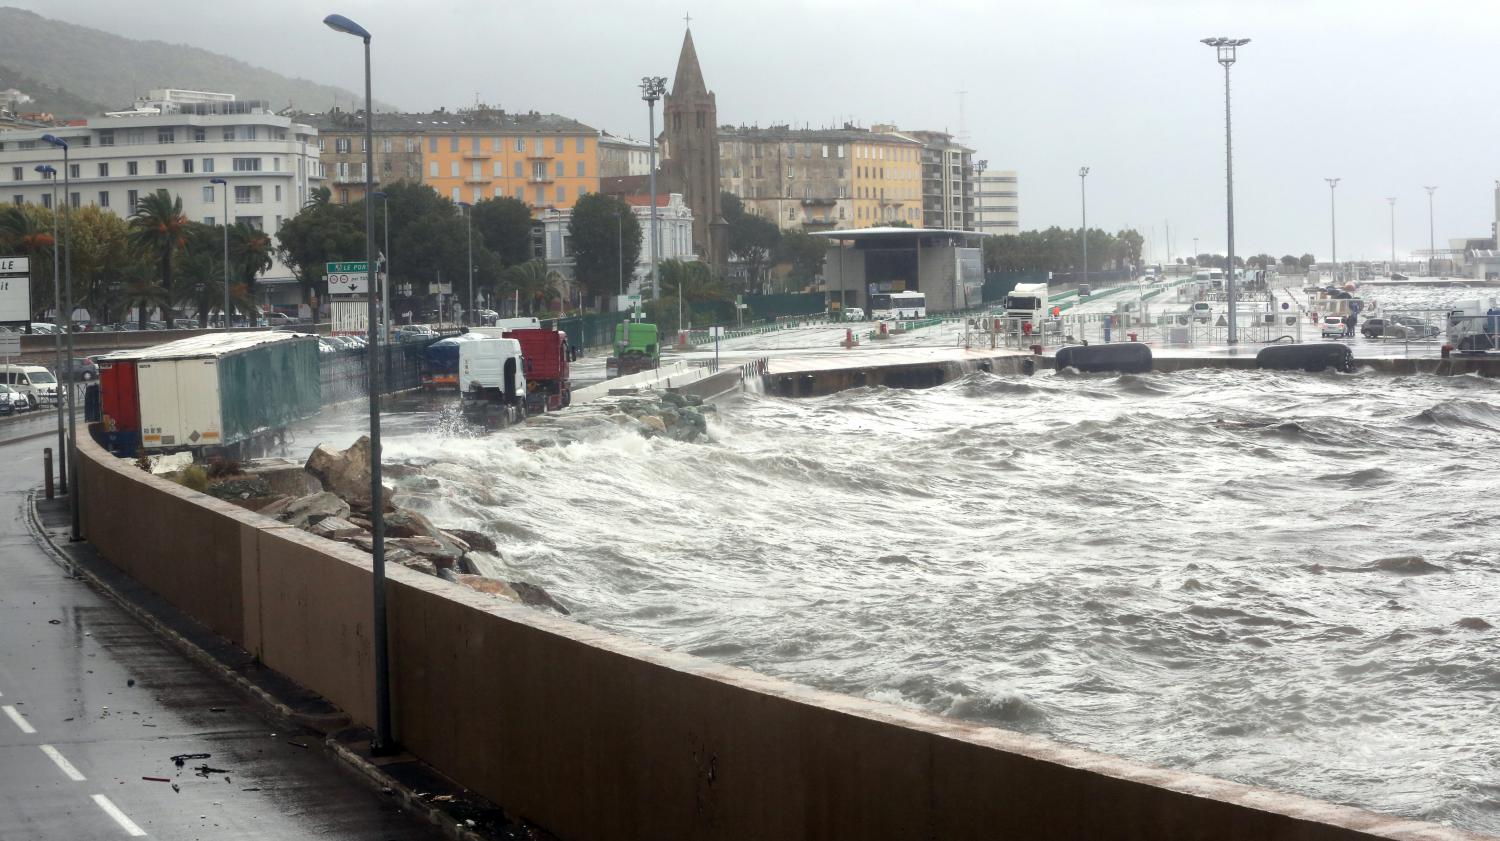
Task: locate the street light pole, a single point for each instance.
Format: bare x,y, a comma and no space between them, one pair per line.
383,742
980,165
1392,200
1431,240
1083,193
468,211
67,315
385,278
224,188
1225,48
1333,227
652,89
620,251
49,171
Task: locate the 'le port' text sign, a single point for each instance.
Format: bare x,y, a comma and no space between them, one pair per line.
15,289
348,278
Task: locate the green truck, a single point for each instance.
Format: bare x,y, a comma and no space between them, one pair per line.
637,349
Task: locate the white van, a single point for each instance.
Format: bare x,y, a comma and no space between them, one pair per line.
34,381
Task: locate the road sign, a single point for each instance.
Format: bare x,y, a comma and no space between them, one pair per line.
348,278
10,344
15,289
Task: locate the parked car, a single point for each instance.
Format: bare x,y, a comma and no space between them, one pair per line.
81,368
327,346
34,381
1373,328
1333,325
12,401
185,324
854,314
1202,312
1411,327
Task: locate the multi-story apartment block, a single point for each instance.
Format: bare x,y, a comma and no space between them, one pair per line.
620,157
544,160
848,177
997,207
269,161
947,179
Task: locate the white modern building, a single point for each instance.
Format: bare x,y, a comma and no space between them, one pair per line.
178,143
997,205
674,221
623,156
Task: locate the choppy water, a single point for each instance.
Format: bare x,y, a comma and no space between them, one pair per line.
1281,579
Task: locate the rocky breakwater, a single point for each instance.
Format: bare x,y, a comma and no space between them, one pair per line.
671,415
330,496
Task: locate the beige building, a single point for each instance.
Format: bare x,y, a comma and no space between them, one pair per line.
819,178
997,208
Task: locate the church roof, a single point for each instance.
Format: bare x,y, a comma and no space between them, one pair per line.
689,75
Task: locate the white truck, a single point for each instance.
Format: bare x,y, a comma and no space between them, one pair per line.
1026,309
493,370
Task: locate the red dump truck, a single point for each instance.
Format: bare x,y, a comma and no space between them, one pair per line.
548,377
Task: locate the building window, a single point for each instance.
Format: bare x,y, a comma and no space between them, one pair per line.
247,195
47,203
520,144
75,200
562,193
342,168
104,198
677,122
209,220
249,132
562,169
103,170
132,198
320,145
583,169
520,195
278,192
229,134
540,197
256,222
208,194
453,143
453,169
107,138
19,199
518,169
343,196
497,169
364,145
432,144
538,172
166,135
478,195
161,167
413,145
476,170
456,199
247,164
385,145
580,145
557,144
132,168
474,143
341,145
18,173
200,135
498,191
432,169
187,164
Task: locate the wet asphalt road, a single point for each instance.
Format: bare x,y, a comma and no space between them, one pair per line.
91,702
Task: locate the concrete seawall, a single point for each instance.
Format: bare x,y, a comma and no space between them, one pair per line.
596,736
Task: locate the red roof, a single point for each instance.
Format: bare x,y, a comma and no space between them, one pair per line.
662,200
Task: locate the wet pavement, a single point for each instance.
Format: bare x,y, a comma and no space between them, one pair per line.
93,708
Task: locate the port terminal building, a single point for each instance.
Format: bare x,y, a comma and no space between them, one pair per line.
946,265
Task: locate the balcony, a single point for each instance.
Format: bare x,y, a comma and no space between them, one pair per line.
477,179
474,155
539,179
539,156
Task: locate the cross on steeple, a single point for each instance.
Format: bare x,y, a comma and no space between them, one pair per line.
687,20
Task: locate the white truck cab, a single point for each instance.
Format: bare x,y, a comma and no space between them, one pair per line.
492,369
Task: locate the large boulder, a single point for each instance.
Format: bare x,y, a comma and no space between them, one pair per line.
404,522
536,597
336,528
493,586
309,510
442,553
478,541
346,473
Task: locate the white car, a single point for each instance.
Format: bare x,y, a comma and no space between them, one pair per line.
1202,312
853,314
1333,325
12,401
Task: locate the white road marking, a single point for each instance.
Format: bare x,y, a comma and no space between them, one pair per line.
120,817
19,719
62,762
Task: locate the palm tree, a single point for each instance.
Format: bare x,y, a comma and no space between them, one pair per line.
158,226
27,233
249,254
319,197
535,282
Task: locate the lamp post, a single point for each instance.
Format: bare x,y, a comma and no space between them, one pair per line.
1431,240
1225,48
382,743
224,187
620,250
1083,175
980,166
49,171
1392,200
468,211
385,278
67,315
652,89
1333,228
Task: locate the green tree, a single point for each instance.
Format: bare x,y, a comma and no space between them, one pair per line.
752,239
1127,246
1290,262
598,224
157,227
506,225
1307,261
534,283
250,251
99,242
683,284
805,254
320,233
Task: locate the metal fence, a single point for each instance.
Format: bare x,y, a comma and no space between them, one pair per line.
344,375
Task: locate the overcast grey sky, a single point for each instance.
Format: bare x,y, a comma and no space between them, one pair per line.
1389,95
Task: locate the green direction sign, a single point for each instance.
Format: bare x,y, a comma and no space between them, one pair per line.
348,268
348,278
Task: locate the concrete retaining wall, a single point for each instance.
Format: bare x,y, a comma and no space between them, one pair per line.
595,736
